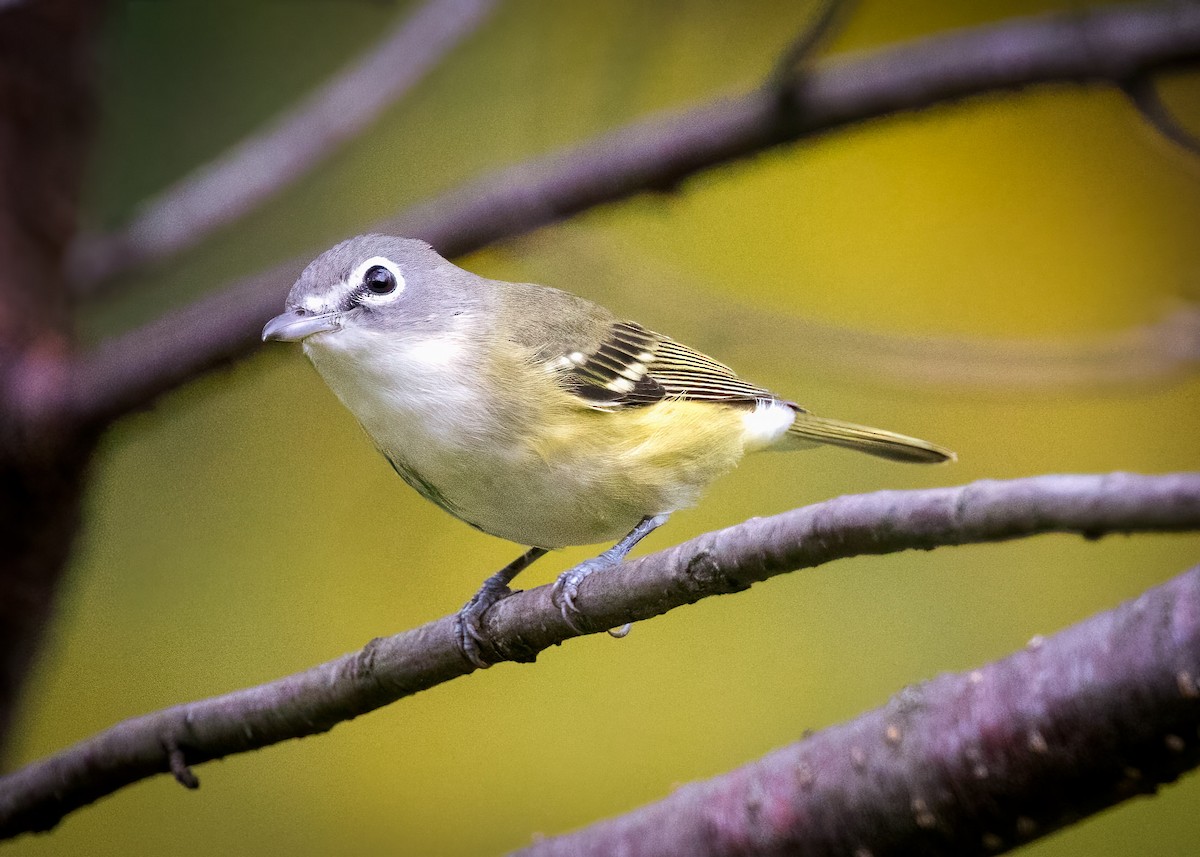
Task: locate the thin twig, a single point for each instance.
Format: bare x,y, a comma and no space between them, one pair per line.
830,15
262,165
1106,46
972,763
37,796
1144,95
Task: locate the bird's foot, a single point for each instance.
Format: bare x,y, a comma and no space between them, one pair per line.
469,621
472,641
566,589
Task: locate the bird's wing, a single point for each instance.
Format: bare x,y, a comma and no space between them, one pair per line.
632,366
611,365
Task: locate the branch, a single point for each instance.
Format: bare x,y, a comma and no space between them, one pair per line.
1160,352
968,763
47,115
130,372
259,167
831,14
1106,46
37,796
1144,95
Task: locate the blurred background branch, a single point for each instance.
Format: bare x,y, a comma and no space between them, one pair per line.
1143,93
222,191
1105,46
830,16
37,796
47,114
1141,357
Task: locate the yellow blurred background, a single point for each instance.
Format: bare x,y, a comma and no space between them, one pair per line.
246,529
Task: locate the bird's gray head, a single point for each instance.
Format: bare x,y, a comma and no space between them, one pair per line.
375,283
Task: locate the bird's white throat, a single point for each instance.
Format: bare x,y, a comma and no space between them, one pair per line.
409,393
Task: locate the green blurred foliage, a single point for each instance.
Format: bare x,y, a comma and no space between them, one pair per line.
246,529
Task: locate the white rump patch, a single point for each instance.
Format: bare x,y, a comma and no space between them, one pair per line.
766,424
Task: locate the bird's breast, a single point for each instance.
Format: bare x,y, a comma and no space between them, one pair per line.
516,456
417,398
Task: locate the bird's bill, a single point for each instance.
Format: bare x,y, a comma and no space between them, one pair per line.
292,326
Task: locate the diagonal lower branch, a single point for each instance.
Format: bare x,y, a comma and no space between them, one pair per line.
1107,46
971,763
259,167
38,796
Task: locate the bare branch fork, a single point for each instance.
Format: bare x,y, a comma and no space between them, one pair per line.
37,796
1108,46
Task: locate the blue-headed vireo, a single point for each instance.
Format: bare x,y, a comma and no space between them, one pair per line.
532,414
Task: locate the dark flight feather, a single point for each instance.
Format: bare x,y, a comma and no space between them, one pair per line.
634,367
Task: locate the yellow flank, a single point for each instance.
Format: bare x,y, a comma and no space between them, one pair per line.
657,458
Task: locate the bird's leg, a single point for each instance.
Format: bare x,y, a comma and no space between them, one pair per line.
567,585
471,638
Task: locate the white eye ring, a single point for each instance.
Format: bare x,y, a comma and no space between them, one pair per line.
357,276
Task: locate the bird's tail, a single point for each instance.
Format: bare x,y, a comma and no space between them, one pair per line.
809,428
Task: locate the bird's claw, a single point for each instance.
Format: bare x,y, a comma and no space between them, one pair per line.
472,640
566,589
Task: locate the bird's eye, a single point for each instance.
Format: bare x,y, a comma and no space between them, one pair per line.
379,280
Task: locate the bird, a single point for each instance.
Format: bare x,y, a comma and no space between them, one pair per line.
532,414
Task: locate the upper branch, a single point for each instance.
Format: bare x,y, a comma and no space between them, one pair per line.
259,167
37,796
1107,46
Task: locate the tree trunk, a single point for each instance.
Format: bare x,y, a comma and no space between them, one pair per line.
46,116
